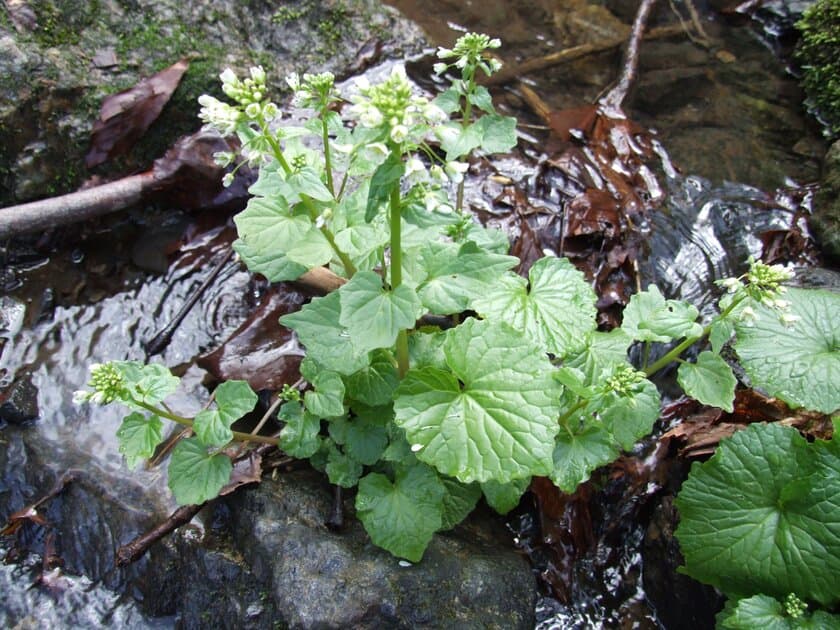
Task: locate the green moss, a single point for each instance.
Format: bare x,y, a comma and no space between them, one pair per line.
819,54
60,22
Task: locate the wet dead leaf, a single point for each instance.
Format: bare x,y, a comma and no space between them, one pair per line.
124,117
246,470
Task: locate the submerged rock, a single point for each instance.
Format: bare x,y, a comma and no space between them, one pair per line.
19,403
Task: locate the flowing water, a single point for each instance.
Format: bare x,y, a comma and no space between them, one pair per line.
728,116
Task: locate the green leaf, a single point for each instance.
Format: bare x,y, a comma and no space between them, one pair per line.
138,437
299,436
327,399
401,517
270,231
650,317
448,100
458,275
374,384
763,516
493,416
503,497
576,456
425,349
271,263
195,476
234,399
342,469
557,312
319,329
710,381
761,611
458,141
799,364
373,315
629,417
720,333
458,501
306,182
146,383
481,98
498,133
365,435
603,352
384,179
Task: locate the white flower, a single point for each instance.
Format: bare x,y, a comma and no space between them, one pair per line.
495,65
223,158
455,171
494,43
461,63
730,284
748,316
270,111
371,117
253,110
293,81
415,171
447,134
788,319
416,447
437,173
399,133
258,74
228,77
80,397
440,67
227,180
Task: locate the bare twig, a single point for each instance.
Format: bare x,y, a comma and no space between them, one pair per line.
76,206
135,549
514,73
615,97
161,340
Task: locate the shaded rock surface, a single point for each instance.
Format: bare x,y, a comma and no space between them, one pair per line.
825,220
59,58
469,578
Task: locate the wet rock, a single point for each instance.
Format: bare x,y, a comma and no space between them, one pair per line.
467,578
825,220
56,67
19,403
12,312
680,602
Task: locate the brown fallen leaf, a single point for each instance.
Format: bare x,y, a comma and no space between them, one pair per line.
124,117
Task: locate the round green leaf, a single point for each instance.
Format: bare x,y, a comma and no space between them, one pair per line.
576,456
800,363
763,516
138,436
401,517
195,476
493,416
557,311
709,380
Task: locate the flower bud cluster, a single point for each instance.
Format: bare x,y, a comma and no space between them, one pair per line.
469,54
761,284
795,607
392,105
107,382
251,102
315,91
624,380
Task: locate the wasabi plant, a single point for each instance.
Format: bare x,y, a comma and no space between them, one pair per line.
424,420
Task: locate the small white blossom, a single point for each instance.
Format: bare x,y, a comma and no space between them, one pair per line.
438,174
455,171
228,77
399,133
253,111
434,114
415,171
440,67
270,111
227,180
258,74
371,117
788,319
748,316
223,158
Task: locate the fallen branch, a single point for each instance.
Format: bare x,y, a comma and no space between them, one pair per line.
615,97
75,206
514,73
133,550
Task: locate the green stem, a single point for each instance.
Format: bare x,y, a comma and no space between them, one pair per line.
396,274
349,267
677,350
188,422
459,201
564,419
327,159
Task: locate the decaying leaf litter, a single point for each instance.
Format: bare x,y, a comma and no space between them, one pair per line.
588,200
